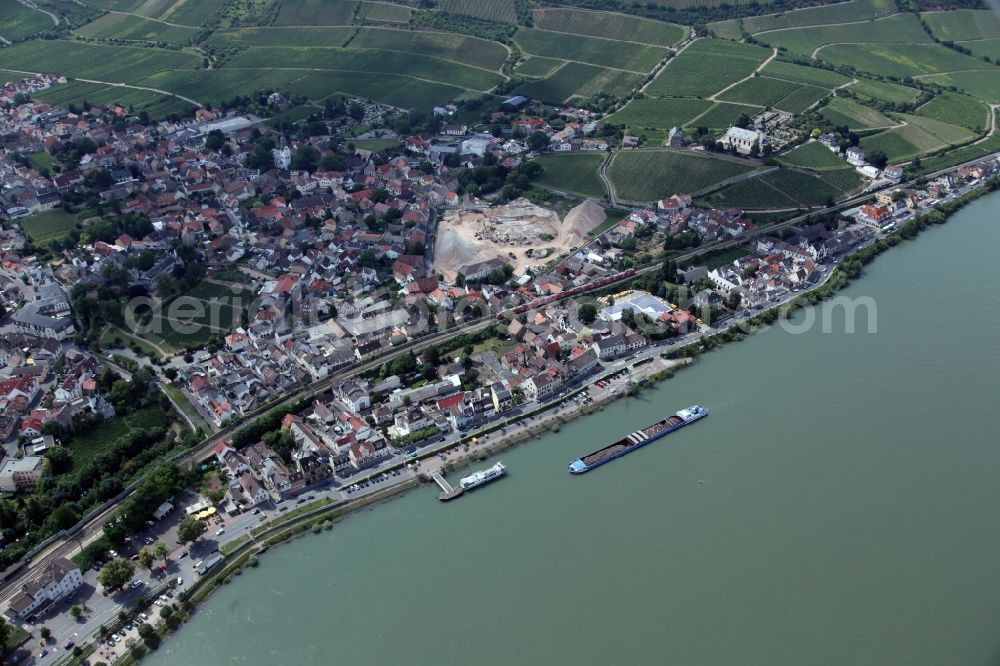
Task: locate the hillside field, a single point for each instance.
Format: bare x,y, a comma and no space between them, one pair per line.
648,175
575,173
706,67
609,26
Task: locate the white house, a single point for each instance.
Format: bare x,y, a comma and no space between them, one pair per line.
58,579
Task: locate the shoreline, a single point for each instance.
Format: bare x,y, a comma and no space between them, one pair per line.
847,270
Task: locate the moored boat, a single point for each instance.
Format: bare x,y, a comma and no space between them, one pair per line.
638,439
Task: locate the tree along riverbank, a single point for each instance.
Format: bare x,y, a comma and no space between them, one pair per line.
849,269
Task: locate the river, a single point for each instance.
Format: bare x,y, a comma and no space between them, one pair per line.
839,506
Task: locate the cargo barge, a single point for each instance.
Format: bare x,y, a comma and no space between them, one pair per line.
637,439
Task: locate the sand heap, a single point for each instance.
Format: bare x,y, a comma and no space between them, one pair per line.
581,221
520,233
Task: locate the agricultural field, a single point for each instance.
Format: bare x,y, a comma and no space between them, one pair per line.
575,79
981,83
366,63
654,113
608,25
899,28
649,175
813,155
49,226
447,46
957,109
590,50
824,78
573,173
194,13
80,93
883,91
844,112
963,25
71,92
19,21
721,116
787,188
706,67
116,64
841,12
988,48
243,37
125,26
918,136
968,153
749,194
499,11
899,60
535,66
775,93
384,11
316,12
728,29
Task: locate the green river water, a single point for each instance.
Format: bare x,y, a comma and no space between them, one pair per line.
840,505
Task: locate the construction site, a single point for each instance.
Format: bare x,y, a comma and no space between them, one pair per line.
521,233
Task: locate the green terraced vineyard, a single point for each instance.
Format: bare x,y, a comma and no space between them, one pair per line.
648,175
883,91
963,24
458,48
776,93
789,188
660,113
384,11
957,109
989,48
728,29
117,64
370,62
609,26
591,50
575,79
981,83
848,113
243,37
721,116
500,11
536,66
575,173
46,227
814,155
899,28
124,26
899,60
788,71
316,12
68,93
706,67
19,21
919,136
842,12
